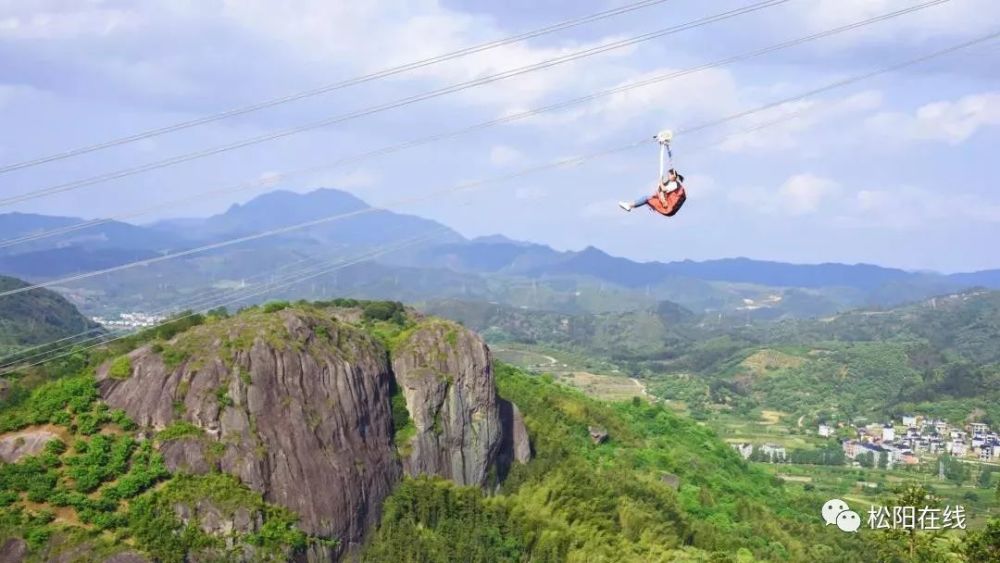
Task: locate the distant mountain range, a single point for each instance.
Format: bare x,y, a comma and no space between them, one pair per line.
489,268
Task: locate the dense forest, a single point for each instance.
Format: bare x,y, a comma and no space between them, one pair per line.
940,356
661,488
36,317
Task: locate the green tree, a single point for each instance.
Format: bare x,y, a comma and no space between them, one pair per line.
905,545
866,459
954,470
983,546
985,479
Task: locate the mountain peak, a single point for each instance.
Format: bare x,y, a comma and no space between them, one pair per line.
321,201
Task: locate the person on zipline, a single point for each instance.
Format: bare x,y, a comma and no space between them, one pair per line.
667,200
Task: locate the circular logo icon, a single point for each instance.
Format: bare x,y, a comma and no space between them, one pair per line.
831,509
849,521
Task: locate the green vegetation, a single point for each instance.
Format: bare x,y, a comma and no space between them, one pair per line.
275,306
402,425
101,490
388,311
939,358
580,502
168,539
222,397
36,317
121,368
106,485
179,430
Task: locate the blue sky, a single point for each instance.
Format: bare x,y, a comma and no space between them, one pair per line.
895,170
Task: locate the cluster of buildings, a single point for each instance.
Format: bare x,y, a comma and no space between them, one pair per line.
919,435
889,444
130,321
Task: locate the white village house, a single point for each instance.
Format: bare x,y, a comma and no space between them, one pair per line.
745,449
773,451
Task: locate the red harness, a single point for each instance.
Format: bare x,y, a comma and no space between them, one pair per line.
675,200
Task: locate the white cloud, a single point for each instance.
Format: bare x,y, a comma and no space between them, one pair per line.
950,19
801,194
666,104
324,32
805,193
908,207
781,128
944,121
503,155
88,19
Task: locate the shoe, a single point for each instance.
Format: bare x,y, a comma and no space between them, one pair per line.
625,205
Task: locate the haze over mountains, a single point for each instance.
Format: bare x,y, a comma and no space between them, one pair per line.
448,266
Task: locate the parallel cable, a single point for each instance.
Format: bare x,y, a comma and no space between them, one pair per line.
771,123
27,354
263,182
478,183
201,300
568,24
342,265
178,159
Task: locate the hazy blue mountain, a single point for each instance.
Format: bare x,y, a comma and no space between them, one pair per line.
278,209
745,270
110,235
493,268
15,224
985,278
59,262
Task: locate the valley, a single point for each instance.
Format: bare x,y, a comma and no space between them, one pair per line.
736,396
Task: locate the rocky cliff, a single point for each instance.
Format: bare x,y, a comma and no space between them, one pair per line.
297,405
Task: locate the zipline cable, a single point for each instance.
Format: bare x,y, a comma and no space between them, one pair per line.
781,119
22,356
568,24
475,184
365,258
271,179
187,157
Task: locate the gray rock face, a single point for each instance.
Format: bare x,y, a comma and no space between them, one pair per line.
20,444
303,420
14,550
187,455
297,405
515,445
446,376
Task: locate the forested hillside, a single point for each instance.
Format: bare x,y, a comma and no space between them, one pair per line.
660,488
36,317
940,355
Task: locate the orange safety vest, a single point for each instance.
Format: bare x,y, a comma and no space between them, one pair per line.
675,200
